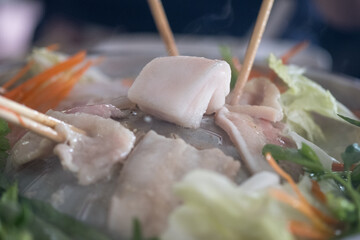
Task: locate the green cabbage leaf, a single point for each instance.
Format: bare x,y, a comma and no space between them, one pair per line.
303,98
215,208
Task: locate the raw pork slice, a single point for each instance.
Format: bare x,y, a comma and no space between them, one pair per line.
90,157
250,135
146,181
181,89
254,122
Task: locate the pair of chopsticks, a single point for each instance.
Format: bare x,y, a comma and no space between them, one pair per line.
32,120
162,24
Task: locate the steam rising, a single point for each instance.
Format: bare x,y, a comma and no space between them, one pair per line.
215,23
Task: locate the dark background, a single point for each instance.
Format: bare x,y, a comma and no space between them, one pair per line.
210,17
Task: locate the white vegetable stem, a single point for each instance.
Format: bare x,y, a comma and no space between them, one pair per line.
252,49
163,27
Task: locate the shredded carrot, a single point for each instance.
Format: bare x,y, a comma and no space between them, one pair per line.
305,230
287,177
295,188
316,191
44,93
293,51
51,95
301,207
37,93
295,203
19,75
52,47
70,83
32,83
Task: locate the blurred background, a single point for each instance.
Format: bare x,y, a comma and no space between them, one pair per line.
331,26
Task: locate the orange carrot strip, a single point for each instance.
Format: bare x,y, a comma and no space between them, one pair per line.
32,96
19,75
295,203
293,51
47,74
316,191
294,186
71,82
286,176
44,94
300,206
305,230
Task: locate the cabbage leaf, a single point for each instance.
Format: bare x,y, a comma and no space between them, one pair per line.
303,98
215,208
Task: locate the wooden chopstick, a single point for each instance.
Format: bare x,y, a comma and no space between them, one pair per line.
163,26
34,115
32,120
256,36
31,125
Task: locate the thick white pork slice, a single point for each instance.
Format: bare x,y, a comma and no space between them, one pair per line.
254,122
145,184
90,157
181,89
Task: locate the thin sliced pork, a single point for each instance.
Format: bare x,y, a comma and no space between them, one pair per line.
90,157
254,122
101,110
181,89
145,184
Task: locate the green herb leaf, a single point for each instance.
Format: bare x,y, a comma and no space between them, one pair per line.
4,128
355,174
350,120
10,195
351,156
310,154
305,156
4,144
341,207
227,56
26,219
137,231
345,205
